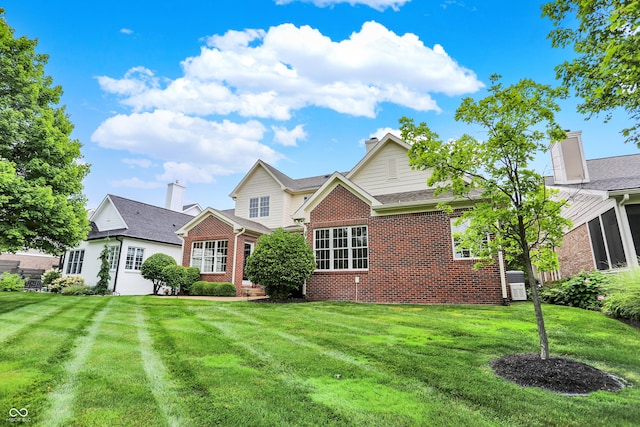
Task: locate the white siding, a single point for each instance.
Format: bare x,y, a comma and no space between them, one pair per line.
583,207
107,218
294,203
261,184
129,282
377,175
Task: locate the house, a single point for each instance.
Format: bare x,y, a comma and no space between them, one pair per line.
376,231
604,205
133,231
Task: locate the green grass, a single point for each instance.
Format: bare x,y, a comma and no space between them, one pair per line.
144,361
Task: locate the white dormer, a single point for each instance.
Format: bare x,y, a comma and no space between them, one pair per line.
569,163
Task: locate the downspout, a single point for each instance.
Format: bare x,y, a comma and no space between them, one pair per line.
235,254
503,279
115,277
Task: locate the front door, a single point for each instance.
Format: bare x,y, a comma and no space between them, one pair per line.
248,249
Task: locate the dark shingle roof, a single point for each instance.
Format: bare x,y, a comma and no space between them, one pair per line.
310,183
610,174
146,222
247,223
427,195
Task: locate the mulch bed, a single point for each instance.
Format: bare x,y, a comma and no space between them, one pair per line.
280,300
556,374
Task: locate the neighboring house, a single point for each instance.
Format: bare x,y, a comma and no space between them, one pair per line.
133,231
376,232
29,263
604,204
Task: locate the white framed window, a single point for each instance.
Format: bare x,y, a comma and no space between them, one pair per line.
74,264
112,257
210,256
606,241
458,251
135,256
258,206
341,248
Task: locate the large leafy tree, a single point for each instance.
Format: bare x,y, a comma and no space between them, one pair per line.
281,263
605,35
512,204
41,201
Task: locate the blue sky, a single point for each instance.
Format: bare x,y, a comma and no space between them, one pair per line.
199,90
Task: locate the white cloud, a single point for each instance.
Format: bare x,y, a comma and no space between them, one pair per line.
380,133
288,138
137,163
376,4
127,31
209,148
270,74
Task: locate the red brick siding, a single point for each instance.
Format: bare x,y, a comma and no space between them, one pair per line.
410,259
212,228
575,253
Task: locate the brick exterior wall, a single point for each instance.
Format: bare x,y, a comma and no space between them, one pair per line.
410,259
575,253
212,228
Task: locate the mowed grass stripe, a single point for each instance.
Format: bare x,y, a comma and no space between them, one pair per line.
61,398
350,386
163,388
21,319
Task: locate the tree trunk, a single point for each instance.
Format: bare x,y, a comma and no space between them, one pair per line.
542,331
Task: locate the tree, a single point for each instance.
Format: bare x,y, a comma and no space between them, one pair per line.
514,207
281,263
41,201
102,287
605,35
152,269
180,278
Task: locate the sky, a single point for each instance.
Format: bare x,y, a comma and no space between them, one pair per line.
198,91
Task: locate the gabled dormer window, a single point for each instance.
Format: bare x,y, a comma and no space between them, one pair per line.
258,206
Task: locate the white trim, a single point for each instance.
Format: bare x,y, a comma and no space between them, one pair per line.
349,248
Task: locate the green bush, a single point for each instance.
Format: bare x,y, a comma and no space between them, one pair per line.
11,282
623,296
215,289
49,276
192,275
77,290
582,290
64,282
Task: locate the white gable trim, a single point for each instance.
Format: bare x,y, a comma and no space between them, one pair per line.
302,214
184,230
388,138
100,209
245,179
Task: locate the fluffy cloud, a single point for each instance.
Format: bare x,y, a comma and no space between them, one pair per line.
186,123
288,137
137,163
187,144
376,4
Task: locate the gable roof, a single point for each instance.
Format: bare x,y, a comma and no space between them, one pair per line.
286,183
228,216
387,139
144,221
609,174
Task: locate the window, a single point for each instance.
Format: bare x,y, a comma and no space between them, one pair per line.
458,251
341,248
606,241
112,257
258,206
633,215
210,256
74,265
135,256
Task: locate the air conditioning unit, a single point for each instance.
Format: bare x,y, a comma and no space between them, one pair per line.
518,292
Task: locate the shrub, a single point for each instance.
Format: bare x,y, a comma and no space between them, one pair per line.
216,289
623,296
11,282
77,290
49,276
151,269
192,276
581,290
63,282
281,263
174,276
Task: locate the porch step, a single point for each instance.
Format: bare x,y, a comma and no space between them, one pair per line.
253,292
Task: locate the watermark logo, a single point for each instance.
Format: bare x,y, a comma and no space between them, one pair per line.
18,415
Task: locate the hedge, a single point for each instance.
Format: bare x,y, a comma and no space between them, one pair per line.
214,289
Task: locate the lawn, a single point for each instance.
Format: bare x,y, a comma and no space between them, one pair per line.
145,361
